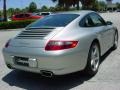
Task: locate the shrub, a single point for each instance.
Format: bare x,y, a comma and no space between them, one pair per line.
15,24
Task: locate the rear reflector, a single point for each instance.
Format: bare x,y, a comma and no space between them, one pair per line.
60,45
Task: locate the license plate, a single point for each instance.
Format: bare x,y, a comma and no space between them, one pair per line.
21,61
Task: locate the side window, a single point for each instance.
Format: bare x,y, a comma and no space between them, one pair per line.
20,16
27,15
86,22
97,20
17,16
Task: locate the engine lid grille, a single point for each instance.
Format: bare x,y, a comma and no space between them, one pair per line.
33,34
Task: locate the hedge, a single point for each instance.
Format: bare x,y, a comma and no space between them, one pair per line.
15,24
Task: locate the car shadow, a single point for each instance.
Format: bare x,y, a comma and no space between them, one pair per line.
106,55
32,81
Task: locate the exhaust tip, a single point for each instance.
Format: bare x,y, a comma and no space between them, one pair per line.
46,73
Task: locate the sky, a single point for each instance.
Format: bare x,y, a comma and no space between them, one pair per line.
24,3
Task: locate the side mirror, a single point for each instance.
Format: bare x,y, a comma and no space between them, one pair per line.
109,23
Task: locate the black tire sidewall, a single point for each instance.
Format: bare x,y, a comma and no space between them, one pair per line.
89,69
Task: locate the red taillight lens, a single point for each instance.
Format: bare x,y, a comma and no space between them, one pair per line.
7,44
60,45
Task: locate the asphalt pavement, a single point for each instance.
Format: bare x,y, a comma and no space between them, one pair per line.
107,78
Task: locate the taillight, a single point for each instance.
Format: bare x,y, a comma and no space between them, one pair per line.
7,44
60,45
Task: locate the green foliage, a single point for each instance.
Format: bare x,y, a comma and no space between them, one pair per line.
25,10
52,9
95,5
10,11
15,24
118,5
86,4
44,8
102,5
32,7
66,4
0,13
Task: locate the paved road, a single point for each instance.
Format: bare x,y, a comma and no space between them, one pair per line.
108,77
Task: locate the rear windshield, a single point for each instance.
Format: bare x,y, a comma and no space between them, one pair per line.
58,20
45,14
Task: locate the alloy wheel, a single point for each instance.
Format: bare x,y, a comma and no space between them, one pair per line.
95,57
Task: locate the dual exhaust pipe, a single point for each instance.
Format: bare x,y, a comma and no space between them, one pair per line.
45,73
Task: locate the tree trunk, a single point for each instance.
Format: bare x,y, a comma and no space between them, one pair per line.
66,7
78,6
4,10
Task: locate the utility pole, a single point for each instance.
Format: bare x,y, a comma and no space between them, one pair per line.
4,10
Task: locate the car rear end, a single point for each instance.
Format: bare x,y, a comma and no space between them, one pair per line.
37,50
17,17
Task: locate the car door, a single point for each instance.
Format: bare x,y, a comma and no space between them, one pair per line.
104,31
20,17
27,16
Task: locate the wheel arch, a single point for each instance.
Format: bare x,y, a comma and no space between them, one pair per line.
97,41
87,68
116,31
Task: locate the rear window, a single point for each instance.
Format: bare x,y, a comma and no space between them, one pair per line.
34,14
58,20
44,14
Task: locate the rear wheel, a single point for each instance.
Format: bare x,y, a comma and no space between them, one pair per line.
93,60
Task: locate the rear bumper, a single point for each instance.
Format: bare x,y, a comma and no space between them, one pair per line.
57,62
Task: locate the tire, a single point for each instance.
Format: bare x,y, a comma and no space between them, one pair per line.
115,45
93,60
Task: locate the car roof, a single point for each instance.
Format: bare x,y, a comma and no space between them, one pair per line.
45,12
23,13
81,12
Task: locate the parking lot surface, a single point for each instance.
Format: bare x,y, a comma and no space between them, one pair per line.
107,78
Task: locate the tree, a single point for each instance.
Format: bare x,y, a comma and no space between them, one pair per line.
32,7
10,11
118,5
44,8
52,9
86,4
67,3
0,12
25,10
17,11
102,5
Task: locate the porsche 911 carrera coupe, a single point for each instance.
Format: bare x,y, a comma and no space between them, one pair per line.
62,43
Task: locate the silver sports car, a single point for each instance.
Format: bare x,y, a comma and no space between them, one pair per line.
62,43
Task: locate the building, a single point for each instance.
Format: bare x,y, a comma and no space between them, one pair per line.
111,6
